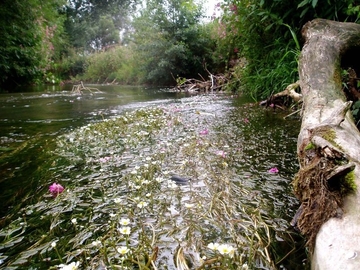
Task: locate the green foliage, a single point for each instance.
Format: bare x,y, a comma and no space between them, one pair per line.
93,24
171,41
349,184
355,110
119,64
266,33
310,146
28,38
71,64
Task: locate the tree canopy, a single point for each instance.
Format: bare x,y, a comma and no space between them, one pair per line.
168,34
158,41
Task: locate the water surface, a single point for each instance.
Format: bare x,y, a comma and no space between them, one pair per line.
259,139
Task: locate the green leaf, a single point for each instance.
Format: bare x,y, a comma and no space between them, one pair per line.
304,12
314,3
303,3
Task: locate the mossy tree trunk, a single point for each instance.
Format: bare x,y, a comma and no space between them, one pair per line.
329,147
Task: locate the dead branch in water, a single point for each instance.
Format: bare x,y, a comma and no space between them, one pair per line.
79,88
215,83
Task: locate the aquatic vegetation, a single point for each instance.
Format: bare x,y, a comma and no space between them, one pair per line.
121,208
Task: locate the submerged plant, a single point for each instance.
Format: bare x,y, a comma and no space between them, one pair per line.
121,208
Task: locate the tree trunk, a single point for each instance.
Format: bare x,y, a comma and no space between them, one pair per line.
329,147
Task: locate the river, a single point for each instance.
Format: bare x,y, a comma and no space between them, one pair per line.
208,138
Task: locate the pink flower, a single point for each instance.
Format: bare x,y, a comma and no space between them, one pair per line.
204,132
55,189
104,159
273,170
246,120
221,153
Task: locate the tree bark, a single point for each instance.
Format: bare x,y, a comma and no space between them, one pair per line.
328,148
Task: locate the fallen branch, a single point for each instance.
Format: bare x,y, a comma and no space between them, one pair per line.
79,88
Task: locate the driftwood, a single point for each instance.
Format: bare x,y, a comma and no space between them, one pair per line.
78,89
214,83
278,100
329,147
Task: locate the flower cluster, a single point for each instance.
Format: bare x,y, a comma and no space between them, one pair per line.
223,249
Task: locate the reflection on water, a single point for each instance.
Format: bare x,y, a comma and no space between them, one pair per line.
30,120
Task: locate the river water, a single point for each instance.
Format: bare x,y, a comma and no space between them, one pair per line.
259,138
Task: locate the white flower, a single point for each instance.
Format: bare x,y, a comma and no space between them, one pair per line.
122,250
172,185
189,205
117,200
213,246
125,221
159,179
96,243
71,266
112,215
74,221
142,204
225,249
53,244
245,266
125,230
148,195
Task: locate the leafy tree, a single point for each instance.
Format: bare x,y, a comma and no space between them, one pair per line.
29,31
93,24
171,40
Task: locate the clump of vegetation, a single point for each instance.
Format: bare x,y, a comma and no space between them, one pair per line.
121,209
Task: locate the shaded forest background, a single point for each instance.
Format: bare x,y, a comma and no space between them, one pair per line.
158,42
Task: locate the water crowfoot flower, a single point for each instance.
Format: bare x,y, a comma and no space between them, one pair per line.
189,205
117,200
213,246
55,189
71,266
142,204
225,249
125,230
96,243
125,221
122,250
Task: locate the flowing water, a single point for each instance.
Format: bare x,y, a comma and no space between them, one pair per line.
249,140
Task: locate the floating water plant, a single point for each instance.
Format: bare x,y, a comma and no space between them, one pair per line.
121,208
